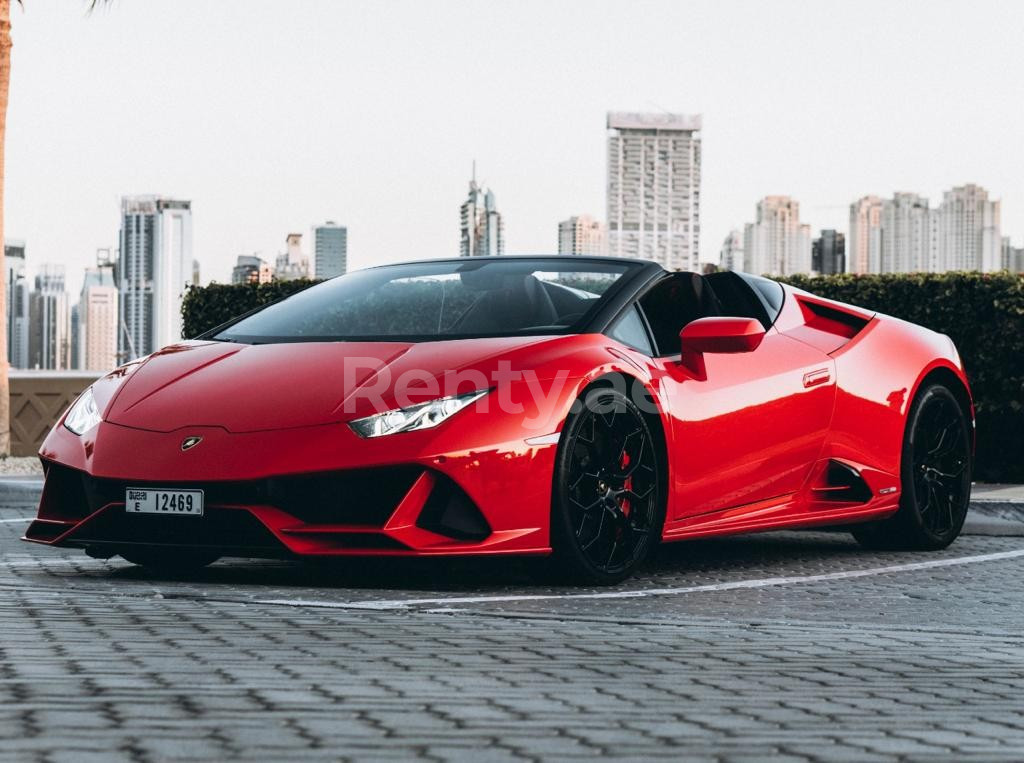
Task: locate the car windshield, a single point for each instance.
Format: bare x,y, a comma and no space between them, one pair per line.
438,300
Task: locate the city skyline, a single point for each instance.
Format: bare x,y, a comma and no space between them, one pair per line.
944,110
131,299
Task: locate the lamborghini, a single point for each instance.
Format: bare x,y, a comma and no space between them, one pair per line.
583,409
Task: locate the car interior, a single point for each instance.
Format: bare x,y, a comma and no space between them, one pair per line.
512,303
680,298
522,302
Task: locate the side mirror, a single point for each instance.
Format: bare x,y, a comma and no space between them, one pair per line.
717,335
721,335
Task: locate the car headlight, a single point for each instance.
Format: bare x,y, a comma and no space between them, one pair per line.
422,416
83,414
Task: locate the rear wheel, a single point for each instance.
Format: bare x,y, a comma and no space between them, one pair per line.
170,560
607,508
935,476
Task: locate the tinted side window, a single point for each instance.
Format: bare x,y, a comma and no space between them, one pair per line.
770,293
630,330
738,298
673,302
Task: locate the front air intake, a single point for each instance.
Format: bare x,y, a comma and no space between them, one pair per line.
449,511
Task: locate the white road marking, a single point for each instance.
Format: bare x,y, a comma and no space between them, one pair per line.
730,586
12,521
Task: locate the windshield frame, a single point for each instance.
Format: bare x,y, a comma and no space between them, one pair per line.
592,321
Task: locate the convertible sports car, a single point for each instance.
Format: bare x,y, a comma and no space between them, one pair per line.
584,408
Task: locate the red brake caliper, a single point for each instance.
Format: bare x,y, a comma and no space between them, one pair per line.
627,485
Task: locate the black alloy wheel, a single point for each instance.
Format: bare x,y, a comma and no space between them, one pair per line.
608,507
936,477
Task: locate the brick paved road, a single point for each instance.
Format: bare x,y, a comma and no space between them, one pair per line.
97,660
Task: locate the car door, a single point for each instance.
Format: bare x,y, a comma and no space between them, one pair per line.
746,432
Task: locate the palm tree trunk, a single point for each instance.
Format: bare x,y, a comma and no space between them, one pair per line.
5,82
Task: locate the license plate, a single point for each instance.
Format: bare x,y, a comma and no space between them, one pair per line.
177,502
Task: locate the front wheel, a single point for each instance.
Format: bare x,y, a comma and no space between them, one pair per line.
936,478
607,503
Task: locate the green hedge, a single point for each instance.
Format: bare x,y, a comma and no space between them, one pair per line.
206,307
982,312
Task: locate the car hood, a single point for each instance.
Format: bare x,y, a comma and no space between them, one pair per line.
248,388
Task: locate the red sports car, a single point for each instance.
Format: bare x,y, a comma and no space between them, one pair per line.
580,407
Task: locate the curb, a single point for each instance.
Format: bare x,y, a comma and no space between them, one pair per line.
1011,510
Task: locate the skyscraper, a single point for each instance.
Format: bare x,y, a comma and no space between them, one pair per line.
292,264
76,340
251,269
581,235
864,242
481,229
17,304
906,234
730,257
49,321
828,253
969,232
98,320
154,269
653,188
777,243
330,250
1012,257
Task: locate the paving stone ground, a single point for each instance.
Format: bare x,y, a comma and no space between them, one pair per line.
464,661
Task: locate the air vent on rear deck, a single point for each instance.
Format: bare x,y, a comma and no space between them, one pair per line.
827,318
828,326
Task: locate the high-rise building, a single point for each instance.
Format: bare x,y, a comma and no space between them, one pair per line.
330,250
864,239
49,321
969,233
481,229
98,320
828,253
76,339
653,188
581,235
154,269
906,236
17,304
730,257
1012,258
292,264
251,269
777,243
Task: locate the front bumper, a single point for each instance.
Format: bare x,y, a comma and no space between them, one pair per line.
314,491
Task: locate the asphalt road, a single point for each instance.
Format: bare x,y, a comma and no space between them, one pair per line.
795,646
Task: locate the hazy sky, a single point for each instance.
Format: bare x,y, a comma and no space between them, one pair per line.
272,116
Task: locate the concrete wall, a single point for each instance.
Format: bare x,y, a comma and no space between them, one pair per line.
38,398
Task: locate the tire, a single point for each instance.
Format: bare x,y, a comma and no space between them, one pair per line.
608,507
172,561
935,473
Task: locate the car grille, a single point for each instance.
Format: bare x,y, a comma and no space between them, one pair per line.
356,497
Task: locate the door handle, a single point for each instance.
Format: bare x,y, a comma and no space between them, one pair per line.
816,377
